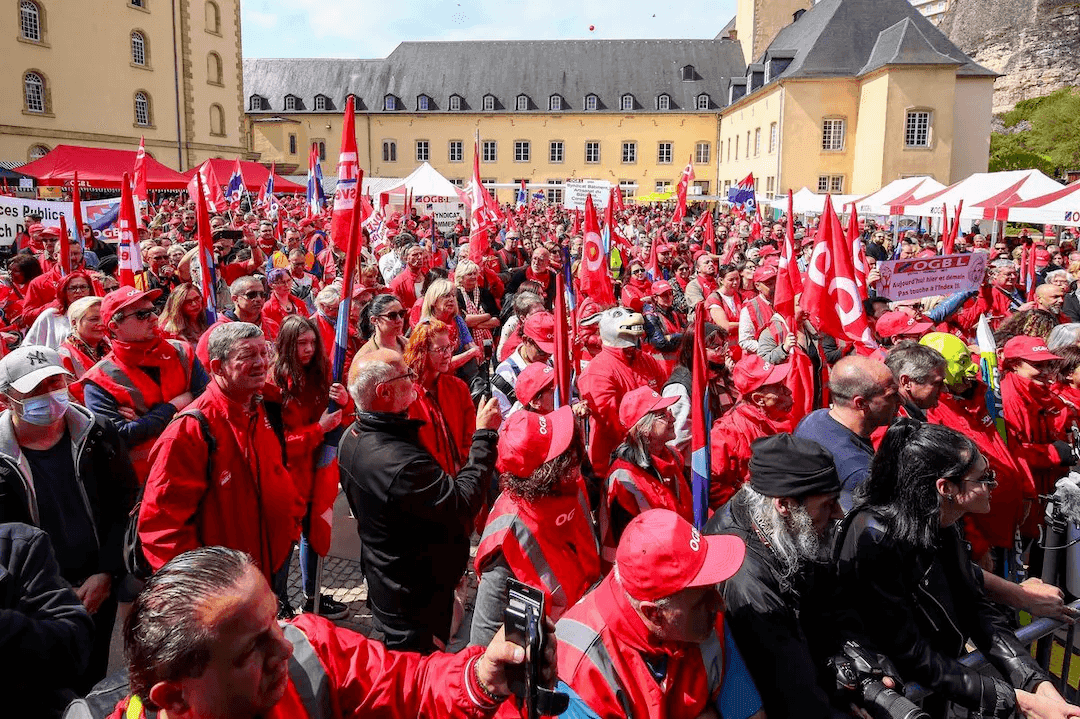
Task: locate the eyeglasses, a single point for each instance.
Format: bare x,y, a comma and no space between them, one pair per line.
444,350
989,478
408,373
142,315
78,288
253,295
399,315
638,271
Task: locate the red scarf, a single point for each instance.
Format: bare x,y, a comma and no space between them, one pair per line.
542,280
153,353
708,284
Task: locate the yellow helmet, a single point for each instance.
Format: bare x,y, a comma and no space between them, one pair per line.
959,367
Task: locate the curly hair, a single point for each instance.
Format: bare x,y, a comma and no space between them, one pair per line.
1033,323
416,350
545,481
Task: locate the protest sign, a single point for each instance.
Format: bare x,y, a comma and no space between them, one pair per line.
575,192
929,276
100,214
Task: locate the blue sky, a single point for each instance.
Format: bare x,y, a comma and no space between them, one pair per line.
368,29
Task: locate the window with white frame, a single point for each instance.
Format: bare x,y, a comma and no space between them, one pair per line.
138,48
522,103
626,102
830,183
591,102
142,109
522,151
774,135
592,151
917,129
256,103
663,153
663,102
389,151
37,152
457,181
832,134
626,188
554,195
489,151
770,186
703,102
321,104
456,151
34,91
555,151
30,20
757,141
555,102
663,185
290,103
455,103
489,103
423,150
702,152
629,152
422,103
389,102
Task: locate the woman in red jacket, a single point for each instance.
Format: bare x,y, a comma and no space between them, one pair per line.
1067,381
300,382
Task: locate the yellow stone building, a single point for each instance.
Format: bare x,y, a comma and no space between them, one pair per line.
839,95
104,73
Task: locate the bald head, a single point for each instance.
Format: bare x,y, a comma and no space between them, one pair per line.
1050,298
865,393
371,378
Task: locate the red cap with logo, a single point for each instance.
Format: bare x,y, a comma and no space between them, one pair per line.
661,554
120,298
660,287
765,273
540,328
752,372
896,323
640,402
1028,348
528,440
534,379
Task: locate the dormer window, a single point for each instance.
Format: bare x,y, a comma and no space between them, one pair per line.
390,102
322,103
292,103
626,102
688,73
455,103
489,103
555,102
257,102
522,103
663,102
703,102
591,102
422,103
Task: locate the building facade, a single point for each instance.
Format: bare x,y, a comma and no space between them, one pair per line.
103,73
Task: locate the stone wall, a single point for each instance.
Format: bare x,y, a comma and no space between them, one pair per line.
1034,44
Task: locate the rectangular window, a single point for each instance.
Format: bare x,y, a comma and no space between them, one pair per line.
321,147
702,187
663,185
701,153
457,182
832,134
389,103
423,151
736,148
389,151
629,153
773,136
456,152
590,102
917,129
455,103
554,195
592,152
830,183
555,151
422,103
757,142
555,102
626,187
489,103
770,186
292,144
729,149
522,103
489,151
663,153
522,151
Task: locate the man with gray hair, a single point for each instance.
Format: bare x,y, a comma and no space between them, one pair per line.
248,295
216,475
414,519
919,372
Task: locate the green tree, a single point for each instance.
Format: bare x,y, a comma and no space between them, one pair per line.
1050,143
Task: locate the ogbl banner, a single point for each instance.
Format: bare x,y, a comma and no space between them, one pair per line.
575,192
100,214
930,276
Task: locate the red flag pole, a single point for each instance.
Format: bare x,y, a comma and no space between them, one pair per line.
562,343
65,242
700,424
76,209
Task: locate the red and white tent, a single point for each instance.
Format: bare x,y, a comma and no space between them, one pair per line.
981,193
254,176
906,190
1060,207
98,167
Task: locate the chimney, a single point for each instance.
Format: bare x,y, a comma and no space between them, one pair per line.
733,34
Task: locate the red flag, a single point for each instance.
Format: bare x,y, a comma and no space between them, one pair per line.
348,187
140,174
949,230
348,278
710,231
788,280
652,264
830,296
76,209
65,242
211,188
575,229
479,219
800,381
279,225
593,274
620,205
1028,273
858,254
755,225
207,258
612,227
562,343
700,424
680,192
130,260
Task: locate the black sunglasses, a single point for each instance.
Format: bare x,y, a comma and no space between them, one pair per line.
254,295
399,315
142,315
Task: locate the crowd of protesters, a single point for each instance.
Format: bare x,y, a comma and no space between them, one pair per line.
873,500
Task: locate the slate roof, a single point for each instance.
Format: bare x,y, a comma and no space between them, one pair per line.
505,69
843,38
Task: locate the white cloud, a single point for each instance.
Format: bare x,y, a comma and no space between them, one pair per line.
368,29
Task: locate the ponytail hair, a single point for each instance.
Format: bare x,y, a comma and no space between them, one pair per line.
374,309
902,486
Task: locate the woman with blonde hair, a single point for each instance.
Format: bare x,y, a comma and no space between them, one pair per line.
477,304
85,344
440,303
184,316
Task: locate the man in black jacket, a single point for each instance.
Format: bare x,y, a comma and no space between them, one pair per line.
413,518
784,515
44,628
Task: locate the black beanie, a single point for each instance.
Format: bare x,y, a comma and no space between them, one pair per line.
783,465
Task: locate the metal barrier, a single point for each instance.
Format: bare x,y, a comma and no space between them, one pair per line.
1043,635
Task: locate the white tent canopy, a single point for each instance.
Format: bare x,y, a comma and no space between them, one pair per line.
897,192
805,202
982,192
426,185
1061,207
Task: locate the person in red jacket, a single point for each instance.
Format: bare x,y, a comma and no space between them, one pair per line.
409,284
650,639
203,642
620,367
248,296
540,529
240,497
646,473
42,289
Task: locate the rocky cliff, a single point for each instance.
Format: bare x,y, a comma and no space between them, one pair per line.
1034,44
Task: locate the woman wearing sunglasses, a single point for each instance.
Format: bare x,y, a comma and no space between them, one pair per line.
906,573
382,322
281,302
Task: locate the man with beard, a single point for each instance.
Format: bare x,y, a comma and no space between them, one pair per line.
1051,298
784,515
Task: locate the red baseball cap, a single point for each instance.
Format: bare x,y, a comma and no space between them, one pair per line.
36,227
1028,348
540,328
752,372
768,250
660,287
50,232
532,381
640,402
897,323
765,273
661,554
528,440
122,297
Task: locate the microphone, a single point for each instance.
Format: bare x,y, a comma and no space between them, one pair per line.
1067,497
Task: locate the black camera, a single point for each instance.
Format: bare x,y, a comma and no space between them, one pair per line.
524,619
860,672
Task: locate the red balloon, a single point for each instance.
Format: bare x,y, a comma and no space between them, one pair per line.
591,28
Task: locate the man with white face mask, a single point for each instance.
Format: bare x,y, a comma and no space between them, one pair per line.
64,470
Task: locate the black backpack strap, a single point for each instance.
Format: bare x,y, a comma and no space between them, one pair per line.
504,386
